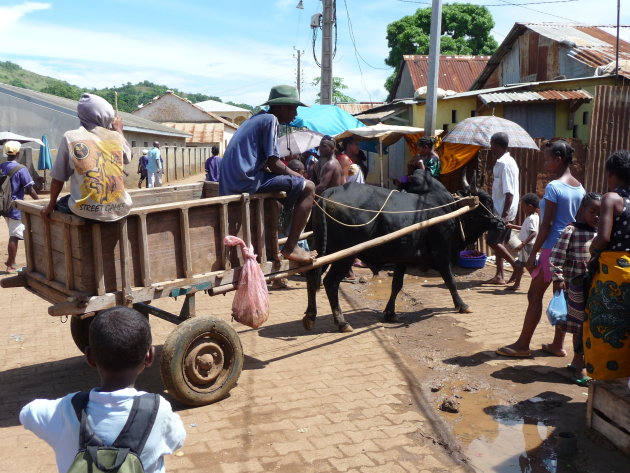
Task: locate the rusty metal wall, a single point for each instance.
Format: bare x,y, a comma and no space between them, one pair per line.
610,131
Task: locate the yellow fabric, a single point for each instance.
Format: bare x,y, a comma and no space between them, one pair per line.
607,326
454,155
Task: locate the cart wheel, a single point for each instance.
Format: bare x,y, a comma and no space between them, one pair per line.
80,330
201,361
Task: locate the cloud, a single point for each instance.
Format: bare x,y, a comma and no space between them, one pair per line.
11,15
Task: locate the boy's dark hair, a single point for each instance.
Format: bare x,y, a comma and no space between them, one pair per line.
561,148
296,165
119,338
531,199
215,150
501,139
618,164
426,141
589,198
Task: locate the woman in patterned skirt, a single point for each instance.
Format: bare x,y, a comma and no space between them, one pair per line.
607,325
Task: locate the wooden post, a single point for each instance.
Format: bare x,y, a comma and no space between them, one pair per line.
186,250
67,254
223,231
246,220
145,267
261,247
97,255
28,243
125,260
50,270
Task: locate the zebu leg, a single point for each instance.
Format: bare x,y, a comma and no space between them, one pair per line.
447,275
336,273
313,282
389,315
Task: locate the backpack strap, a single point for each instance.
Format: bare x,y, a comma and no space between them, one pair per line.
15,169
136,431
87,437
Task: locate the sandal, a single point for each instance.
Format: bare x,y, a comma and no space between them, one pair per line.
584,382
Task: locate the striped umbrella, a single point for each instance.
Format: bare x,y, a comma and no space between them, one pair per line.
478,131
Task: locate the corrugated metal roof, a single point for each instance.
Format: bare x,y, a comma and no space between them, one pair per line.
217,107
538,96
69,107
357,107
456,72
201,132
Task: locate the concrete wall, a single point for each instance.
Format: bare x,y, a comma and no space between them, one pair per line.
145,140
179,163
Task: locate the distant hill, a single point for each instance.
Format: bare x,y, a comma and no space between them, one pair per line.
129,95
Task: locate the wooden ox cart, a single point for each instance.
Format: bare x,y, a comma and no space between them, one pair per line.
170,245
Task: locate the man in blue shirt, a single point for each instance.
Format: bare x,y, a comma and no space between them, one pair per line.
21,180
251,164
154,166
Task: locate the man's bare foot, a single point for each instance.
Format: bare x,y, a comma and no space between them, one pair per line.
496,281
514,287
549,348
513,351
299,255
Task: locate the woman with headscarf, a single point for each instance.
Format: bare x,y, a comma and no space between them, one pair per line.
92,158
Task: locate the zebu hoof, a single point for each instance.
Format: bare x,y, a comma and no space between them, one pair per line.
309,322
465,310
346,328
390,317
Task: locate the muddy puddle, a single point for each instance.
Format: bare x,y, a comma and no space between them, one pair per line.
499,438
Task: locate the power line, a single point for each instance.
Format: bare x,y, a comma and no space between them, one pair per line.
356,52
500,4
351,32
539,11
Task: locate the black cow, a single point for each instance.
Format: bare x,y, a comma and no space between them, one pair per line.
434,247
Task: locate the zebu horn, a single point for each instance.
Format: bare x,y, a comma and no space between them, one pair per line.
473,187
465,185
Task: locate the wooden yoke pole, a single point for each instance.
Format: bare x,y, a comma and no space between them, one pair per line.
472,203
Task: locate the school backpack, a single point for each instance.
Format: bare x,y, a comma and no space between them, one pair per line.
6,200
123,456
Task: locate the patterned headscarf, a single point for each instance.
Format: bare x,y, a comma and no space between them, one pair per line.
94,111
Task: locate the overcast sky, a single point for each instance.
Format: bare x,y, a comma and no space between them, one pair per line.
235,49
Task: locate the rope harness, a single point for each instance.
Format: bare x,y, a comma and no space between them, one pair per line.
377,212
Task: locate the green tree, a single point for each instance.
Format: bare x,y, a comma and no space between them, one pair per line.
465,30
337,95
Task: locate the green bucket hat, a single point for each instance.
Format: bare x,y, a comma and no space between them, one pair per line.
284,95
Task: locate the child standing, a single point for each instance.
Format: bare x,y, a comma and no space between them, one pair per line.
569,260
527,235
120,349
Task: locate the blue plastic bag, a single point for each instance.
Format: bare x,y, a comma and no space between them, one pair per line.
557,310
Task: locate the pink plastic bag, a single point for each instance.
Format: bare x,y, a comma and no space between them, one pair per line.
251,301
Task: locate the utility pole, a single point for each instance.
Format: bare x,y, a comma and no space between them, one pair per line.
298,78
434,68
325,94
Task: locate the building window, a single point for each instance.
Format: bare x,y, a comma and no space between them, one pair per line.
575,131
133,144
445,127
453,116
146,144
585,118
473,113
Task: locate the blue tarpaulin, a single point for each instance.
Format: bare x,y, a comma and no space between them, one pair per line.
45,161
326,119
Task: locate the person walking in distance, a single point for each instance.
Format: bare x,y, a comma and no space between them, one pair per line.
154,166
20,181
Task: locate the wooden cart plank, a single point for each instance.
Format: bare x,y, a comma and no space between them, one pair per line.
246,222
125,260
261,247
186,250
223,232
28,244
50,271
145,267
67,247
97,255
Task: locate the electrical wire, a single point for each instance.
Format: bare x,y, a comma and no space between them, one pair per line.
499,4
354,44
543,12
356,51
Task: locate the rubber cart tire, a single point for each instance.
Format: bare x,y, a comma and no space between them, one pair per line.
201,361
80,330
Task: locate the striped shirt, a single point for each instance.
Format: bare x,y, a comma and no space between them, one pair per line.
570,255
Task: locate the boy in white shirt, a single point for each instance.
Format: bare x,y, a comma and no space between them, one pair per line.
120,349
527,235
